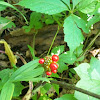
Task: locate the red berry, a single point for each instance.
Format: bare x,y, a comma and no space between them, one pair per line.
53,66
54,71
48,73
55,58
41,61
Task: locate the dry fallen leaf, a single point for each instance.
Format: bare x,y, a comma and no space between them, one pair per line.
95,52
9,53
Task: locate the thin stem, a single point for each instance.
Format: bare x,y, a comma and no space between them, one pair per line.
71,86
90,44
53,40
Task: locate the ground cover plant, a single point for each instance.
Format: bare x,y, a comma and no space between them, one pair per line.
66,71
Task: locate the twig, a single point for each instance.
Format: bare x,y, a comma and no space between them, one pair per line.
71,86
53,40
90,45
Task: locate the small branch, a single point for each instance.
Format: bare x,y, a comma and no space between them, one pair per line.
53,40
70,86
90,45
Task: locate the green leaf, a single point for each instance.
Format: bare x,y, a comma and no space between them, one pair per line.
75,2
18,89
24,69
97,10
67,57
7,91
83,16
62,66
29,75
94,70
32,51
67,97
82,70
45,88
38,25
78,50
58,50
73,35
6,74
72,70
2,7
1,85
55,75
81,23
67,2
86,82
44,97
89,85
56,87
9,5
6,23
87,6
44,6
92,21
34,97
35,20
49,21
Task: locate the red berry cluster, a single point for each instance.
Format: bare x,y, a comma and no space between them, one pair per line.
50,64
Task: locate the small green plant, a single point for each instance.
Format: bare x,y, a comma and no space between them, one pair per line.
74,16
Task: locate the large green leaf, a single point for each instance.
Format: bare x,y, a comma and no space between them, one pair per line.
86,82
73,35
24,69
94,70
87,6
44,6
7,91
67,97
29,75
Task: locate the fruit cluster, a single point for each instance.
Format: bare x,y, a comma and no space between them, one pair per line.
50,64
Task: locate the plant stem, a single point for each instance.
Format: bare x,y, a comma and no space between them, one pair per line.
71,86
53,40
90,44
